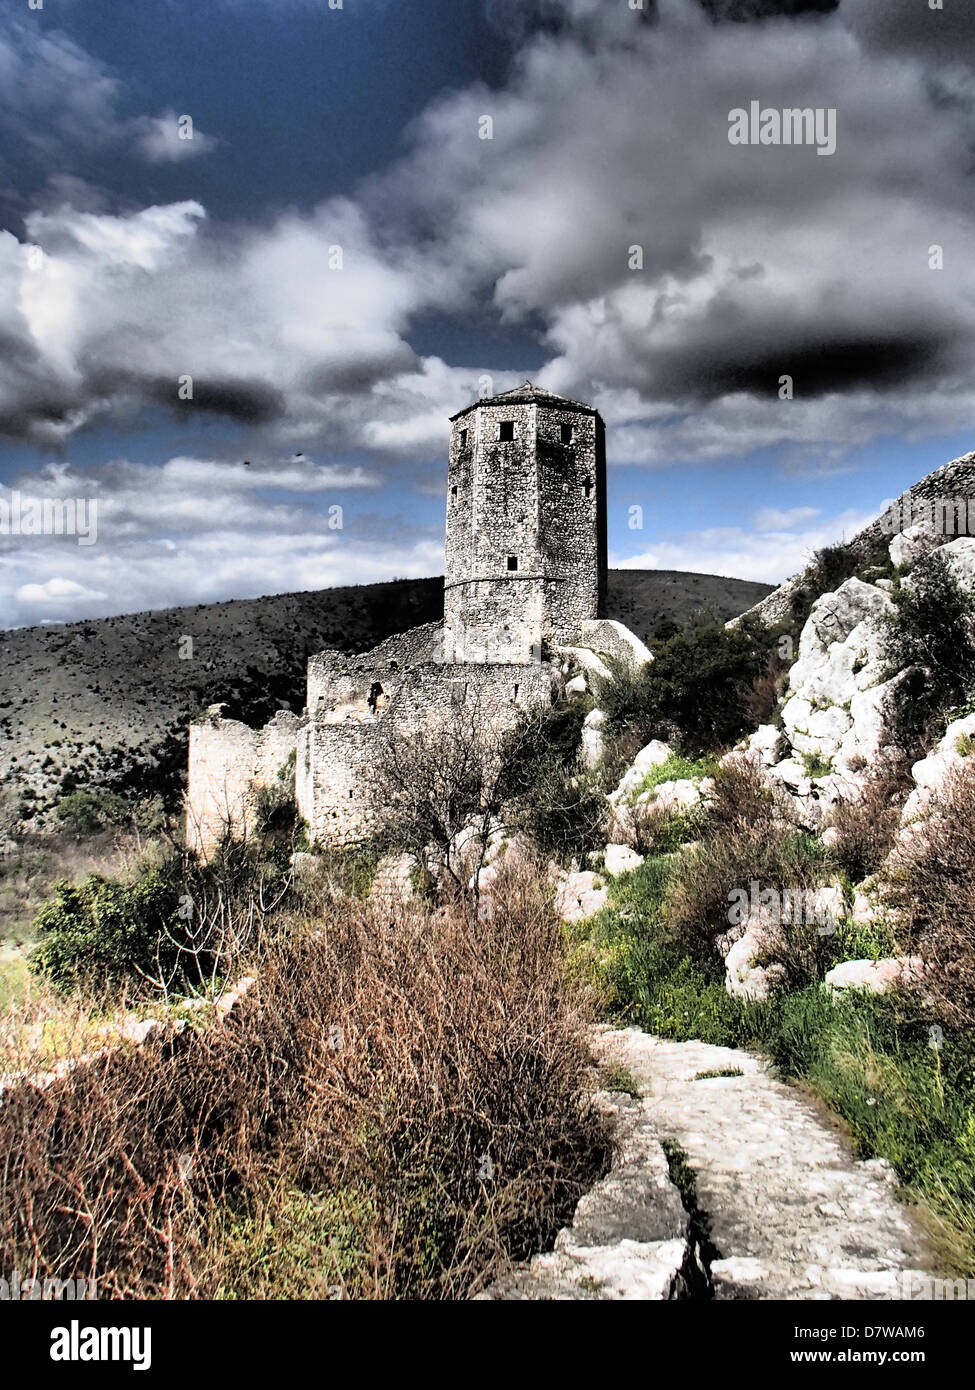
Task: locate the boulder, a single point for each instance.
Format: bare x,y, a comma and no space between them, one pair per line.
620,859
865,911
873,716
912,544
654,754
586,660
592,745
580,895
140,1030
833,618
930,773
766,743
576,687
960,557
672,797
875,976
744,977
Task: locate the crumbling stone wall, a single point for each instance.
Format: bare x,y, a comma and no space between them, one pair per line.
339,744
228,763
952,481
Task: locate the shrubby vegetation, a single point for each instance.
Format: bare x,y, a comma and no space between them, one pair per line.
932,631
396,1110
442,1135
706,686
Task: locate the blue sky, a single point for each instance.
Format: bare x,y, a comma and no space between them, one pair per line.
131,258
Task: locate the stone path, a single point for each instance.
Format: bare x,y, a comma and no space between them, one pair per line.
730,1187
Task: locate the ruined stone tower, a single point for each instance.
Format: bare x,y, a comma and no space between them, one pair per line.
526,525
524,599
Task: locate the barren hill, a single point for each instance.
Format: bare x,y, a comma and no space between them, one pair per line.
107,702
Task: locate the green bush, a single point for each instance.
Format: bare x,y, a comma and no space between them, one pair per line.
104,932
87,811
931,629
180,922
644,976
697,692
551,797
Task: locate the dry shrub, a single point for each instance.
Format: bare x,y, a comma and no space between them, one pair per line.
743,802
398,1108
748,835
867,827
932,890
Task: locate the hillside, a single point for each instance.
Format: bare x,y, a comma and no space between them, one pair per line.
108,701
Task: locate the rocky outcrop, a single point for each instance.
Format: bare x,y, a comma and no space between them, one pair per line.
930,774
620,859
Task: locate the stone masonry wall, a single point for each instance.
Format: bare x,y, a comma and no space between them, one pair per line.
334,752
954,480
228,762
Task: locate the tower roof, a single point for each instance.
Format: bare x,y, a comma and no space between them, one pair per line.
529,394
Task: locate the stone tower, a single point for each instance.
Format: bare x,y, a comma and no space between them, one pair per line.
526,525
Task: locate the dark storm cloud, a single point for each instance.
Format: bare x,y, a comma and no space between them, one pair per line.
610,132
249,402
912,28
817,367
743,11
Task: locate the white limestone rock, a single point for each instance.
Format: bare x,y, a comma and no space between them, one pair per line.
592,744
960,557
744,977
767,743
580,895
930,773
875,976
654,754
912,544
620,859
587,661
672,797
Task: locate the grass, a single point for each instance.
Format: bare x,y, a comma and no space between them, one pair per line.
14,979
816,765
313,1242
616,1077
717,1075
677,768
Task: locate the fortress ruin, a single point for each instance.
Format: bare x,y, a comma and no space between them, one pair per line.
524,596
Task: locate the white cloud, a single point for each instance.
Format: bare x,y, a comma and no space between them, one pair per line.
769,556
171,138
783,519
57,590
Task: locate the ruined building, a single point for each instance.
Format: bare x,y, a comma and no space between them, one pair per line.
524,593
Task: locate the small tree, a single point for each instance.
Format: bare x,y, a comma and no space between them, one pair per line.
427,784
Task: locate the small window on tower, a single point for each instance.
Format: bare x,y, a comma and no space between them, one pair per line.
463,439
506,431
566,432
587,487
453,491
512,562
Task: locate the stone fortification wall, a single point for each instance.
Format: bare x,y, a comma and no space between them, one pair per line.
228,763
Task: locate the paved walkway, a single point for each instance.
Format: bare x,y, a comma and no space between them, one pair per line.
730,1186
